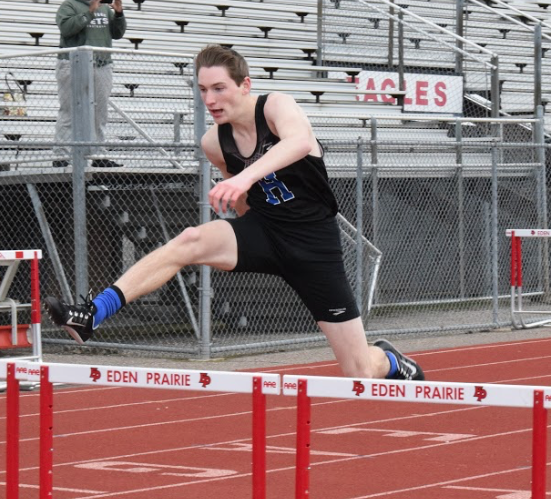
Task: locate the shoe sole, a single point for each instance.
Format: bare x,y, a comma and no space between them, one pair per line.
74,334
395,351
52,305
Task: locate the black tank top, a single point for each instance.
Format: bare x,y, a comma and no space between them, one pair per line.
299,192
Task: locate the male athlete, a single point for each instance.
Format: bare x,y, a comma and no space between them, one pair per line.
276,181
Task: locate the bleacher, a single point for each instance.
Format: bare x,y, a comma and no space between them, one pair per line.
280,42
506,28
278,39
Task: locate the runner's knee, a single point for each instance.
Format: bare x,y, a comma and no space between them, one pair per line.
188,243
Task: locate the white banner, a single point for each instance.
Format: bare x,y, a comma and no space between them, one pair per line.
415,391
425,93
211,381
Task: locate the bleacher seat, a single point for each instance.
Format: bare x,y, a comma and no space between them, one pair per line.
279,40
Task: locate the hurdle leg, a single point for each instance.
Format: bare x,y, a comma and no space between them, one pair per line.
302,490
513,278
12,439
36,319
539,447
259,440
46,434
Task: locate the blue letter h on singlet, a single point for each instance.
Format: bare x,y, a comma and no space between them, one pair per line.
269,183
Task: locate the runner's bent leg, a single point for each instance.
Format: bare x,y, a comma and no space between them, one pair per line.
356,359
212,244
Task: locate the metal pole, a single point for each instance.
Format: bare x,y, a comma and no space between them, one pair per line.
537,66
487,217
178,115
459,41
460,206
496,132
319,52
539,140
496,97
401,85
374,158
82,89
205,216
494,246
359,223
391,37
375,182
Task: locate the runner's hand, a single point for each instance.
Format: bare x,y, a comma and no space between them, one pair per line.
225,194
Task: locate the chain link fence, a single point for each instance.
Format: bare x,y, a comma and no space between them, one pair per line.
424,207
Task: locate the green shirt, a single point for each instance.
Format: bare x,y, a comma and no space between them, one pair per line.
78,26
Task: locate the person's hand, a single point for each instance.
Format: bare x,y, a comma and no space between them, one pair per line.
225,194
117,5
94,4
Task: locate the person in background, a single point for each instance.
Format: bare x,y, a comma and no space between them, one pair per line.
275,179
86,22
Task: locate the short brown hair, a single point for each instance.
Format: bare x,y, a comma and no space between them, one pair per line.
217,55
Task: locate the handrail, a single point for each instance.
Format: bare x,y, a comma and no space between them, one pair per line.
99,49
516,21
412,117
438,28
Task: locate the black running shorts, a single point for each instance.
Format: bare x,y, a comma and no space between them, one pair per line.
308,256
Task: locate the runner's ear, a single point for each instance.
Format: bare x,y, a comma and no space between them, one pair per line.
246,85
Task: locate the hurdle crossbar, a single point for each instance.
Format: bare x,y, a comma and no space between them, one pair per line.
517,310
257,384
306,387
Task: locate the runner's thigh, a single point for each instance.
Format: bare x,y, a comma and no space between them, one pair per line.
216,244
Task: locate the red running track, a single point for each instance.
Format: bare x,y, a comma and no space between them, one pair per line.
162,444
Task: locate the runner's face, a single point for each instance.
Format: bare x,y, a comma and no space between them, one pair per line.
221,95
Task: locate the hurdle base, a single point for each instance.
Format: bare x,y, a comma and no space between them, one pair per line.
28,386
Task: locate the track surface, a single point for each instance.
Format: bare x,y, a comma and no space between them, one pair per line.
163,444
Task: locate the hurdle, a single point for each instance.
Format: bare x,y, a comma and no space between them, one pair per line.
19,335
517,310
306,387
257,384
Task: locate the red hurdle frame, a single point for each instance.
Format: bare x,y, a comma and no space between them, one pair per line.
517,310
12,259
539,443
12,437
13,385
47,434
304,406
539,447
